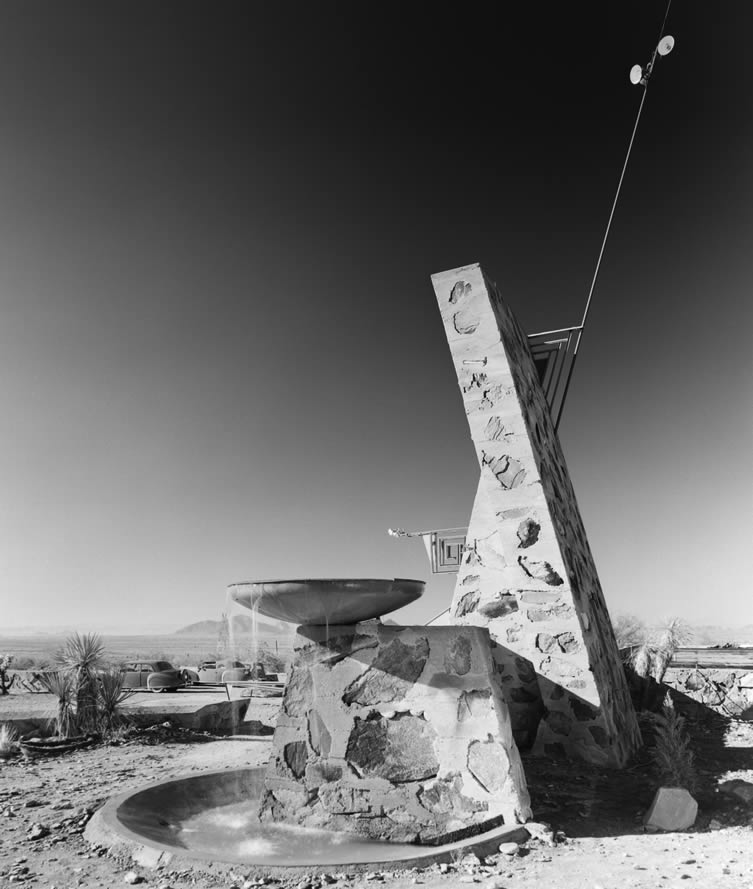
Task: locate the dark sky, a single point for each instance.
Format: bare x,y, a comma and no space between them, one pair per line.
220,354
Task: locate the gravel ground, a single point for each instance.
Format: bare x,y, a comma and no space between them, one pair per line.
603,844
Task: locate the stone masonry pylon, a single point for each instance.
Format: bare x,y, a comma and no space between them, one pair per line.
528,573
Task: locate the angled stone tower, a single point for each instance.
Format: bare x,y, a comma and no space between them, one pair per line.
528,573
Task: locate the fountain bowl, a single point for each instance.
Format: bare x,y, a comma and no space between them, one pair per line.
209,820
316,603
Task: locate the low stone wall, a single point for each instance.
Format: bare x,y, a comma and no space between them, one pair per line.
728,691
396,733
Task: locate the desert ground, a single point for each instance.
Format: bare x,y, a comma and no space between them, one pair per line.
595,816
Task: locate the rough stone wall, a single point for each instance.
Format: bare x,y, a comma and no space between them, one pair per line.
726,690
396,733
528,573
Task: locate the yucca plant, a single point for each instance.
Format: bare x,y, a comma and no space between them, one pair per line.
60,684
672,755
81,657
110,695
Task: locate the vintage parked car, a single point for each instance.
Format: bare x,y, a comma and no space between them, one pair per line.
216,673
154,676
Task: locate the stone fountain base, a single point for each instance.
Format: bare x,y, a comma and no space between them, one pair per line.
394,733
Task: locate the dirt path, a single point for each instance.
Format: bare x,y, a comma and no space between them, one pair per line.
598,811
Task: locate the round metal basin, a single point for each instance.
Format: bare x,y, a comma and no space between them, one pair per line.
316,603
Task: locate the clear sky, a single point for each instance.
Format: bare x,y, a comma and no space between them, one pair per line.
220,354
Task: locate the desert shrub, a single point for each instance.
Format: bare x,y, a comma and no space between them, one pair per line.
271,660
82,656
8,738
110,696
60,684
629,630
6,679
89,697
672,755
653,656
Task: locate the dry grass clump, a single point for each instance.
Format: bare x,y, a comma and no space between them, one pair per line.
653,656
8,739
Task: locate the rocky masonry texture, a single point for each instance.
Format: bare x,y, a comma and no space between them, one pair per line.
528,574
397,733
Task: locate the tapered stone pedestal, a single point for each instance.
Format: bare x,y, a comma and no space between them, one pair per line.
395,733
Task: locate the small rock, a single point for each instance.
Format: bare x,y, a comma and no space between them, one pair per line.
673,809
715,825
37,831
62,804
444,868
509,849
32,804
495,883
540,831
743,790
132,877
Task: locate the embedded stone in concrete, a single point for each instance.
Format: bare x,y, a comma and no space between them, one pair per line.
398,749
404,768
520,695
528,533
473,704
297,691
342,799
567,642
507,471
583,711
445,795
545,642
559,723
540,571
488,763
673,808
504,603
295,757
467,603
526,538
458,657
390,676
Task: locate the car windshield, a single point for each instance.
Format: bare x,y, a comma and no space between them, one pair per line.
162,665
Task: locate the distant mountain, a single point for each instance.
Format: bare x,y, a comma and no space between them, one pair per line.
240,624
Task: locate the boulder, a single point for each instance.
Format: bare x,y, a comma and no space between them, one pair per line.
673,808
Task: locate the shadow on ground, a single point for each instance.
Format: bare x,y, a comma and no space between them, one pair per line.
585,800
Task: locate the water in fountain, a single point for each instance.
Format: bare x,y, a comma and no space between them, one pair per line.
234,833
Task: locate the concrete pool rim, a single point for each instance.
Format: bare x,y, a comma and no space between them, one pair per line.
106,830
